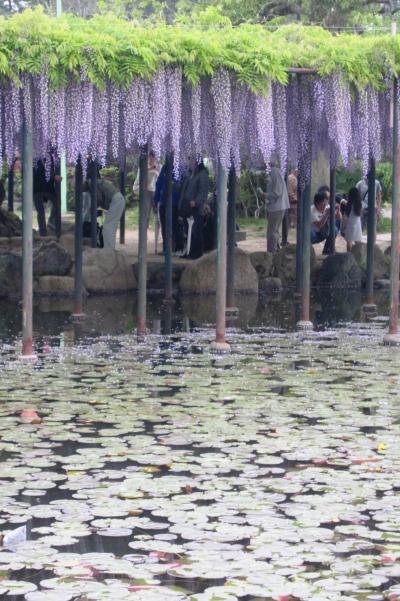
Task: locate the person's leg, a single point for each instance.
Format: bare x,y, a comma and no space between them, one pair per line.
349,247
274,222
293,215
149,206
41,213
285,228
112,220
52,218
197,245
161,212
317,237
177,243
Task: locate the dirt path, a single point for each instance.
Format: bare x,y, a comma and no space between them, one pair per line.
254,242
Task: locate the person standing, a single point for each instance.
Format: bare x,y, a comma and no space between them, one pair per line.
277,203
362,186
153,171
160,199
353,210
111,200
193,199
44,189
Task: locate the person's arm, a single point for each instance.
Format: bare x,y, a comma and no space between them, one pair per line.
319,224
160,187
136,183
202,190
379,198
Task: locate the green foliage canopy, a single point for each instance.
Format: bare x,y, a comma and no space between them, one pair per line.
105,47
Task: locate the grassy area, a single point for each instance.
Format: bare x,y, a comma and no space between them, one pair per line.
384,226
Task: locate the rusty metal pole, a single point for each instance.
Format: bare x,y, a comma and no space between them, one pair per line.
393,338
370,307
93,203
142,258
332,214
304,323
78,296
57,206
27,244
220,344
122,179
168,229
231,308
299,233
10,195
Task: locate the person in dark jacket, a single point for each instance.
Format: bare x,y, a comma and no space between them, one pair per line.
44,189
111,200
193,199
160,199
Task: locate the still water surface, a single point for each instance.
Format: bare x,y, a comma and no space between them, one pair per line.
155,470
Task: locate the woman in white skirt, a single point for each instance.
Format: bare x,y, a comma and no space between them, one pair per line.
353,229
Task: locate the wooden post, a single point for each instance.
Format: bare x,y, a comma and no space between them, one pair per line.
142,259
231,308
393,338
27,244
220,344
78,300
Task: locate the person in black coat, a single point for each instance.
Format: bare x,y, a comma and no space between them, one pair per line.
44,189
193,199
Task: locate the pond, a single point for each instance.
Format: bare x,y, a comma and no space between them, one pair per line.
155,470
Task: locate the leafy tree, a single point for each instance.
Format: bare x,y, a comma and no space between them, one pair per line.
338,13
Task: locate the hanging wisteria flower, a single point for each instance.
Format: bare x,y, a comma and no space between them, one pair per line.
220,118
279,123
265,126
174,104
221,92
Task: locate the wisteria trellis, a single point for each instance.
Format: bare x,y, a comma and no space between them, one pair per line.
219,118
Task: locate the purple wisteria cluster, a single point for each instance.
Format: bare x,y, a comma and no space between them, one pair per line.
218,118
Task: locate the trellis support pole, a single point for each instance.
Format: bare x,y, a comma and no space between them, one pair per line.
122,180
142,259
231,308
78,292
93,203
27,244
168,229
220,345
10,189
370,307
304,324
393,338
332,213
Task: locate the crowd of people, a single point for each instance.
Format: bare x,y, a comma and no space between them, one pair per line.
350,210
194,202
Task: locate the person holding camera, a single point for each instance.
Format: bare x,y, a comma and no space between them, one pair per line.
320,212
